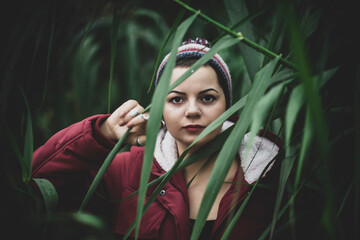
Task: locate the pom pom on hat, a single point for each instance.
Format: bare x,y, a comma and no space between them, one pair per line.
195,49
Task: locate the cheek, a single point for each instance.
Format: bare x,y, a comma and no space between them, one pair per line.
170,114
216,112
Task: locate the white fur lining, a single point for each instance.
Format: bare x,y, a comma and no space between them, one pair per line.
259,155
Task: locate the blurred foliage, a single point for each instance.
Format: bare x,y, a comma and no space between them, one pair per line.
59,53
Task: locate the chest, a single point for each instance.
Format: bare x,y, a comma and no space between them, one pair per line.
196,193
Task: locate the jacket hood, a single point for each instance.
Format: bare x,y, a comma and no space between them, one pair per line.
253,162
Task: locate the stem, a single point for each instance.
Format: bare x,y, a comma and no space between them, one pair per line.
239,35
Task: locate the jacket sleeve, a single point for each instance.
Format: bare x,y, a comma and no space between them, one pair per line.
68,158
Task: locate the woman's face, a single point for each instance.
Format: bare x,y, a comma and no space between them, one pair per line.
193,105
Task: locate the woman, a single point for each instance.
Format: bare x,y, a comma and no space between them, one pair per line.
70,157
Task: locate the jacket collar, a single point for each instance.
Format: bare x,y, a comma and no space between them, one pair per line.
253,160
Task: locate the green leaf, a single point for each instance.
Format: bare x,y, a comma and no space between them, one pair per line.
231,147
286,167
90,220
279,213
114,33
28,149
261,111
26,160
296,101
236,10
305,146
104,167
48,192
171,32
155,117
242,207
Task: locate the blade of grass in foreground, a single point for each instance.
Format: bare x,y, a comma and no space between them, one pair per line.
261,111
48,192
286,167
236,9
231,147
242,207
259,116
102,171
172,30
114,33
26,160
155,118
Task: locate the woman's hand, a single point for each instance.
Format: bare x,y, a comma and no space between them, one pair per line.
126,116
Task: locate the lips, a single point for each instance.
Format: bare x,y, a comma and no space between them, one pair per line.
193,128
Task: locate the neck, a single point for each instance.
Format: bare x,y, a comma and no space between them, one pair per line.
201,167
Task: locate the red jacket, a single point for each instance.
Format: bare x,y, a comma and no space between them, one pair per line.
70,157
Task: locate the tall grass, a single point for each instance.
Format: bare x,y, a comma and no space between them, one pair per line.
282,82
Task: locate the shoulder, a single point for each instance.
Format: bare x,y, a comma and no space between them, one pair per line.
129,159
258,154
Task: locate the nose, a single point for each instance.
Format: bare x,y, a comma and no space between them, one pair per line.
192,110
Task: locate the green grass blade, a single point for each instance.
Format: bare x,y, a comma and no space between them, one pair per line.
48,192
305,146
280,212
231,147
28,149
326,75
49,56
240,23
345,198
102,171
286,167
317,118
114,34
261,111
155,117
26,160
251,57
242,207
131,52
171,32
296,102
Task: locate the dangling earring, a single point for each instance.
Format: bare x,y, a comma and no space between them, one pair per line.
162,123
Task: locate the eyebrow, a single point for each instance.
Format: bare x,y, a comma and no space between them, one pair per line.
201,92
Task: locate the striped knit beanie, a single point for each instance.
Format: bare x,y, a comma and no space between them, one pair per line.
195,49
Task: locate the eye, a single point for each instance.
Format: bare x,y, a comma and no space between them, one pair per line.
208,98
176,100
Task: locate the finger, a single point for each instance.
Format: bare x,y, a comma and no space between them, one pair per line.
133,114
134,134
126,112
124,109
140,140
138,120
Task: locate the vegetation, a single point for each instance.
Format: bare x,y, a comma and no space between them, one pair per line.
294,68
